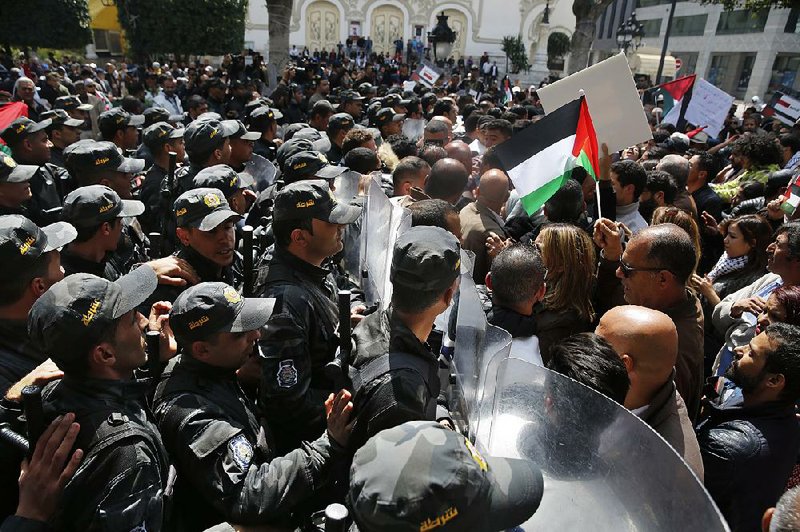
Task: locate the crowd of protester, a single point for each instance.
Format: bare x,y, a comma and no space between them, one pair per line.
672,287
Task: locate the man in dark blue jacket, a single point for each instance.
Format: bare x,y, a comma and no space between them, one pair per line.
749,441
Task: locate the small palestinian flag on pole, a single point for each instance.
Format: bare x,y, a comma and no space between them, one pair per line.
540,158
677,95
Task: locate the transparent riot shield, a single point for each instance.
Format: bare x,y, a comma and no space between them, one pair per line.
383,222
479,347
261,171
346,191
603,468
346,186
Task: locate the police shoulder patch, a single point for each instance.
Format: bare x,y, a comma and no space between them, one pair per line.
287,374
241,451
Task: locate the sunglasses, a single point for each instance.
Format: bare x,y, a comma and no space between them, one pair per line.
627,269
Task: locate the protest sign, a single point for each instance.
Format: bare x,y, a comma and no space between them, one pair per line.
613,101
427,74
708,107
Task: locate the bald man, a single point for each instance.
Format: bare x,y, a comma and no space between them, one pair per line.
647,342
483,217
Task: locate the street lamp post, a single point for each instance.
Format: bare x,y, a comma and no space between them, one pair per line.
629,34
441,38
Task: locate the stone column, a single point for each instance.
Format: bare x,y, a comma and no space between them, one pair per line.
539,70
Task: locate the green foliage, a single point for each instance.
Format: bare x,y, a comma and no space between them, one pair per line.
184,27
558,45
49,23
514,49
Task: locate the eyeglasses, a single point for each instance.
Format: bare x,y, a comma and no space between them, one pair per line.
627,269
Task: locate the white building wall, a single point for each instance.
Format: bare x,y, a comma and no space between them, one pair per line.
488,21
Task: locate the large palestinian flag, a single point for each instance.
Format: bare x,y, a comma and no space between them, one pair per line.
540,158
677,95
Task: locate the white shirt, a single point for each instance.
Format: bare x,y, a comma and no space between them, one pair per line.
173,105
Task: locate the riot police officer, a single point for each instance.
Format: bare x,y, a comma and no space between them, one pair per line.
398,371
227,469
301,334
91,329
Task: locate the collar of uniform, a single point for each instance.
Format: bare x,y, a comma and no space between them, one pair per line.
401,339
74,264
198,367
105,389
205,269
14,337
301,267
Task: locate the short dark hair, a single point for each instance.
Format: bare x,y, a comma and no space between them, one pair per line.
760,148
431,212
792,230
521,124
491,161
442,107
566,205
501,125
671,248
517,273
431,153
282,230
710,163
785,359
658,181
436,126
361,160
591,361
13,286
86,233
402,146
195,101
630,173
407,167
471,122
790,141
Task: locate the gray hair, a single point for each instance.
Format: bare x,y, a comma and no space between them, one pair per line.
787,513
20,81
677,167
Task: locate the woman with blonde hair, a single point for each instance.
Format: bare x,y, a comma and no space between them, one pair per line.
569,256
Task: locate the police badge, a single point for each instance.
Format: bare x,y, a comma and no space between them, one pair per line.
241,451
287,374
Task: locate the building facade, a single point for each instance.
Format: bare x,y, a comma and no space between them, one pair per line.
743,53
480,24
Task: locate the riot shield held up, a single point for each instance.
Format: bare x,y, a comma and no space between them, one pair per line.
382,223
603,468
346,191
479,347
261,171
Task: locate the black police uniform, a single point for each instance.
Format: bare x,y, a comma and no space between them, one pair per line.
301,335
399,395
57,157
227,468
130,251
335,154
300,339
46,201
150,195
266,149
120,483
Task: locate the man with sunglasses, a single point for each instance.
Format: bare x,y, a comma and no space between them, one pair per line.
653,270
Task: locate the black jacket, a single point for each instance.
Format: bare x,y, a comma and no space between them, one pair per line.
748,454
227,467
120,482
399,395
300,338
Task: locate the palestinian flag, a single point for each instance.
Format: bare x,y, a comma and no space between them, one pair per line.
677,95
540,158
784,108
507,94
